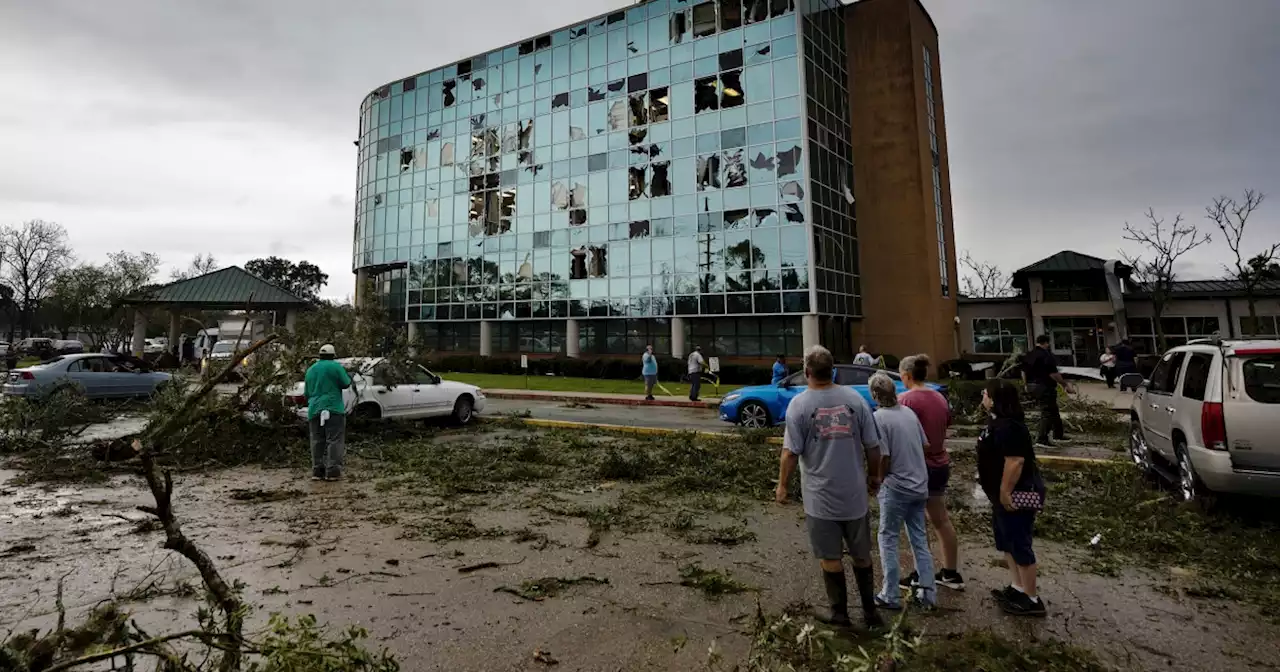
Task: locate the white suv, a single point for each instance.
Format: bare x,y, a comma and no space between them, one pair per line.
1209,418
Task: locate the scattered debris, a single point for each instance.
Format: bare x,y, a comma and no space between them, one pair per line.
263,496
712,582
17,549
543,656
486,565
537,590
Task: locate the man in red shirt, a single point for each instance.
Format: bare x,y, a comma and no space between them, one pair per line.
934,414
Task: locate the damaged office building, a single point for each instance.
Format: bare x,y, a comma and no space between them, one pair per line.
751,176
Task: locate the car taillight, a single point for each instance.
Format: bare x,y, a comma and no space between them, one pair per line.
1213,426
27,375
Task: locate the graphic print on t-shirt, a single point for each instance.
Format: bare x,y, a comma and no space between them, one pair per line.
835,422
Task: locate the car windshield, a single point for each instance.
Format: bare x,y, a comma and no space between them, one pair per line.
227,347
1262,379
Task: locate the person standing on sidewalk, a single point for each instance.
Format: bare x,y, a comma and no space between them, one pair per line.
779,370
830,431
1126,360
649,369
864,358
327,415
695,373
1010,477
1040,373
903,495
1107,367
934,413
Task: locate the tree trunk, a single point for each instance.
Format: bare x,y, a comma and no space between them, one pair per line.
1157,306
1253,316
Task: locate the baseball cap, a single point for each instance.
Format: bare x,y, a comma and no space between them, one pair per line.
327,349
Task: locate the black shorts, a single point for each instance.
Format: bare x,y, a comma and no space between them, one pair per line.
938,479
1013,532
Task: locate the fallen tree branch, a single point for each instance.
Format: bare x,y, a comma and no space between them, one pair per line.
146,645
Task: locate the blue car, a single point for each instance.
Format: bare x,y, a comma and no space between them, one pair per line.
766,405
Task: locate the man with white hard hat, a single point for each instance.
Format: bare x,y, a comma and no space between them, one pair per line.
327,415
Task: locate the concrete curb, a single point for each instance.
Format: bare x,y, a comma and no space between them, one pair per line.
587,399
1057,462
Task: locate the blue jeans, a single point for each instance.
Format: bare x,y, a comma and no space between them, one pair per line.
895,510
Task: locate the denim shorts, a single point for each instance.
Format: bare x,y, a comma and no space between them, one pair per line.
650,378
1013,532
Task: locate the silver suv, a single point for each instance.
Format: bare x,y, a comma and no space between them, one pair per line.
1209,418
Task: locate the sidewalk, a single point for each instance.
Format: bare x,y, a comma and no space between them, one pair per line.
1099,392
603,398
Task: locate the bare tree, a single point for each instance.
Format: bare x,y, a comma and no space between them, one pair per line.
983,280
35,253
1231,217
1165,243
200,265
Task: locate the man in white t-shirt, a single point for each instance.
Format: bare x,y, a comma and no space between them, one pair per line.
863,357
695,373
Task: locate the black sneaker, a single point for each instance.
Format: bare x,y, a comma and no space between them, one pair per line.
317,474
949,578
1023,605
1006,594
333,475
909,581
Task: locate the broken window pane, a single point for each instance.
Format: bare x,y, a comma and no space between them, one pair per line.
780,7
406,158
704,19
636,136
577,217
560,100
639,229
735,172
705,95
638,83
736,218
636,182
791,191
679,27
639,111
731,60
492,144
731,86
659,105
597,262
560,195
661,184
618,115
448,88
708,172
789,161
446,154
578,195
793,213
730,14
765,217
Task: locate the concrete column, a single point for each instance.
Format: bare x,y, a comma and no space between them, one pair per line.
571,339
809,331
175,347
486,338
413,339
139,343
677,337
362,279
291,320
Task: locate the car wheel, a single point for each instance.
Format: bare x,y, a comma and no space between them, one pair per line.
1139,451
368,411
753,415
463,410
1189,486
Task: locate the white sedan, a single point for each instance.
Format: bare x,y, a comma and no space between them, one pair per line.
424,395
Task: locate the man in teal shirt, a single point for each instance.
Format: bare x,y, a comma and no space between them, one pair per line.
649,369
327,415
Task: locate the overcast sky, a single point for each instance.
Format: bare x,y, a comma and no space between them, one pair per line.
226,126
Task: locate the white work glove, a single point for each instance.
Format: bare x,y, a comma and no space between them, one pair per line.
324,417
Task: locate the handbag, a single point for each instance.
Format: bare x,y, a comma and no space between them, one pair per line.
1027,500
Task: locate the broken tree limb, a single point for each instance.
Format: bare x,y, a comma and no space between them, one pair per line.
486,565
161,486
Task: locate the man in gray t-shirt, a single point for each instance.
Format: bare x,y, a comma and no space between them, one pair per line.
830,431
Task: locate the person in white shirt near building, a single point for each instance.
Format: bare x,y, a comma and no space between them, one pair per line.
695,373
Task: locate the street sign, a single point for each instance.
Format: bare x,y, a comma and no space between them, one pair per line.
714,364
524,361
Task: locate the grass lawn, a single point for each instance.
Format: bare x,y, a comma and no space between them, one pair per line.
496,381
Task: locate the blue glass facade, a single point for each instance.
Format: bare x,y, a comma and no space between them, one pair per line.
672,159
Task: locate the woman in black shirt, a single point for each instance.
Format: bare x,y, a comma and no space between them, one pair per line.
1009,476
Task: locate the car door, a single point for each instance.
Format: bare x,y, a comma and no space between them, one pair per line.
1157,403
1188,403
430,397
1250,408
396,397
95,378
786,391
